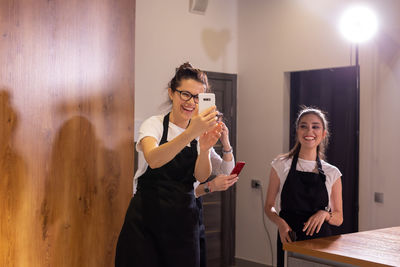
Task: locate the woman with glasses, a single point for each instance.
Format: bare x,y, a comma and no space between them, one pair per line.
161,226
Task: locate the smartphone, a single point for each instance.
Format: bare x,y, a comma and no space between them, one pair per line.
292,235
238,167
206,100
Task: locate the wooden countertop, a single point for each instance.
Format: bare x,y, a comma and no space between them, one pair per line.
379,247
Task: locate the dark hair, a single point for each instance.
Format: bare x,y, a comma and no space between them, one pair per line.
186,72
324,143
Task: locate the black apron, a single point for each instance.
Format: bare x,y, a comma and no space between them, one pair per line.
303,194
161,227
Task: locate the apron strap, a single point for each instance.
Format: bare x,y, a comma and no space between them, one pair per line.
319,165
165,129
193,143
295,159
294,162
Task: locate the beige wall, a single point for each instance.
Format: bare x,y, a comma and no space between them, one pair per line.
261,41
168,35
280,36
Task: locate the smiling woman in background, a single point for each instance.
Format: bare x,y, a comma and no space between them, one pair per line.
309,189
161,226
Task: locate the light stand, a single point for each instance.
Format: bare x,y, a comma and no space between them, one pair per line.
358,24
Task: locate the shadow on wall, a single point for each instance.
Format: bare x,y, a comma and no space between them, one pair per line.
389,47
78,212
215,42
14,206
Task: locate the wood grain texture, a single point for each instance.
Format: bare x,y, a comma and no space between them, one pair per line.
66,130
370,248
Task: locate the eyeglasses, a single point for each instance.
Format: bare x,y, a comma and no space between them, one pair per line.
186,96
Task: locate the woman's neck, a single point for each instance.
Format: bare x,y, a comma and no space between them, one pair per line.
308,154
181,123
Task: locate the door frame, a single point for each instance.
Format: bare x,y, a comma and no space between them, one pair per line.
228,198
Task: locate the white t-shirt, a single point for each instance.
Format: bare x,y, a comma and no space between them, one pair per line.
282,168
153,127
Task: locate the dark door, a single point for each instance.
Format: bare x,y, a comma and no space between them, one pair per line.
219,207
334,91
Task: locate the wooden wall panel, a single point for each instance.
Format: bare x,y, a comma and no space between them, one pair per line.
66,130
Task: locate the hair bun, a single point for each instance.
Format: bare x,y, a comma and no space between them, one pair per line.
187,71
185,65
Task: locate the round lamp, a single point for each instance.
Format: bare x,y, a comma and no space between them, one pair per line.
358,24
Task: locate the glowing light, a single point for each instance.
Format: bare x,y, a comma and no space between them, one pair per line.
358,24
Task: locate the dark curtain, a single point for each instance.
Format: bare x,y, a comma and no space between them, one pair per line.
334,91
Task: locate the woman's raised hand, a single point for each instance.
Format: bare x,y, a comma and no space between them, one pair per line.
210,138
225,136
203,122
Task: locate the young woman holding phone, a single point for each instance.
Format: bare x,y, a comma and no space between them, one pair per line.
161,226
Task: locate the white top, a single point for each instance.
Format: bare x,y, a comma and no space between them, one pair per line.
153,127
282,168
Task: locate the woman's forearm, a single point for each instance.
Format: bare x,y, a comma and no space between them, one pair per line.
200,190
227,156
220,166
273,216
159,156
335,218
203,167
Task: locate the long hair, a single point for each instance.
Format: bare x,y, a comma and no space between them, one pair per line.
321,148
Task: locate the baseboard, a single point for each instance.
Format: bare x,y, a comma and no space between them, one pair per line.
246,263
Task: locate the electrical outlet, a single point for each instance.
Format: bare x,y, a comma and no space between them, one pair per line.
255,183
378,197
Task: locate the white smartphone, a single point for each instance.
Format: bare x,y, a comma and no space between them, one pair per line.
206,100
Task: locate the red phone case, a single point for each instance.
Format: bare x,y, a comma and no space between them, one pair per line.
238,167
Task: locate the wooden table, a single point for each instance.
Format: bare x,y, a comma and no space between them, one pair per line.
379,247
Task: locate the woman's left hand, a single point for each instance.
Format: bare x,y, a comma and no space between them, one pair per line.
225,136
222,182
210,138
314,223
